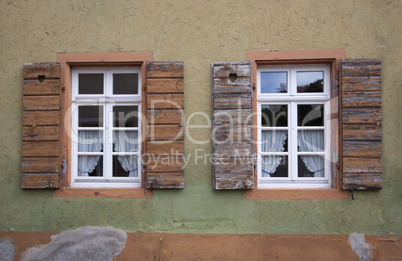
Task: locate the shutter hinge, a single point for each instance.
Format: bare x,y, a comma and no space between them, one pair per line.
253,86
144,87
338,165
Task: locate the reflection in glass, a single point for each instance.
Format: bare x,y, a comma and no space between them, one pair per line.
125,83
274,115
125,116
274,166
310,82
90,116
310,166
310,115
90,83
274,82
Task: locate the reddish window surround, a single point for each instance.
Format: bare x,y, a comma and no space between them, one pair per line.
67,61
328,56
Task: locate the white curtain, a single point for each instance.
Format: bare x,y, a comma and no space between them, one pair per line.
272,141
127,142
312,141
88,141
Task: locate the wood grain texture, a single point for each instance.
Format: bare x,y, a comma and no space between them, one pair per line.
38,165
165,69
40,132
47,87
232,101
165,132
40,180
361,124
162,86
48,70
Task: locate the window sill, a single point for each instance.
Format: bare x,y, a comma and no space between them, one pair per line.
104,193
296,194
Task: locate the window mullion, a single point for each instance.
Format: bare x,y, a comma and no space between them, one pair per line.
108,147
293,141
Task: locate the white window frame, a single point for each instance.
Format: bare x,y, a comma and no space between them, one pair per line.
292,99
107,100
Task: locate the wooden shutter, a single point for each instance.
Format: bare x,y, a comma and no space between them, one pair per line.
361,124
40,133
232,132
164,163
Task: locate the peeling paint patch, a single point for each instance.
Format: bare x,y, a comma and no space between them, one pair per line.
7,249
360,247
87,243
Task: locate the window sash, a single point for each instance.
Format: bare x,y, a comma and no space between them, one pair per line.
108,101
292,99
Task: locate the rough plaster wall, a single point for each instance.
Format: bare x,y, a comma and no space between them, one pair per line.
359,245
7,249
198,33
88,243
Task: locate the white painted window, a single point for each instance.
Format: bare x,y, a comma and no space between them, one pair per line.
293,106
106,127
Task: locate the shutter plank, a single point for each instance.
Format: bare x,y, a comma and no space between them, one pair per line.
165,147
45,118
365,148
47,87
41,130
39,180
40,133
361,99
362,132
165,131
163,86
170,117
232,132
35,165
361,124
37,103
165,101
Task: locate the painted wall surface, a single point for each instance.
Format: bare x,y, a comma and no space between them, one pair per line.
198,33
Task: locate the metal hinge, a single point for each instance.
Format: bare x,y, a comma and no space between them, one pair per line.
144,87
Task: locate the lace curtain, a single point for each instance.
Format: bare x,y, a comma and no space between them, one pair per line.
89,141
312,141
127,142
272,141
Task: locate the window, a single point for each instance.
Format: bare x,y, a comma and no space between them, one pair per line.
293,108
106,127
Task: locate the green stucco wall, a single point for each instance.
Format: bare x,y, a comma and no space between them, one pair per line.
198,33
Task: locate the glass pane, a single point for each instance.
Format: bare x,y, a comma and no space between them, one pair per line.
274,141
125,116
310,115
125,166
310,140
125,83
90,83
90,116
274,82
274,115
90,141
90,166
125,141
310,166
310,82
274,166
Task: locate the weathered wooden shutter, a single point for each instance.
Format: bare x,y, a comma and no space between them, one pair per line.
232,95
165,133
361,124
40,133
